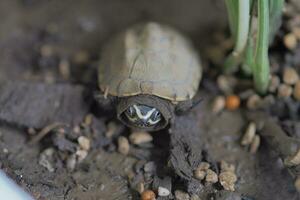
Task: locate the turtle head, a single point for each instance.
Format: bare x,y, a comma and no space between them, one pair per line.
142,116
145,112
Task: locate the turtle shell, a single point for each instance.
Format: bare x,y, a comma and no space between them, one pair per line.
150,59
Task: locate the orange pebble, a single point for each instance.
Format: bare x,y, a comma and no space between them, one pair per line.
148,195
232,102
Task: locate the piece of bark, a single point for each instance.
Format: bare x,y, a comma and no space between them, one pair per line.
185,146
28,104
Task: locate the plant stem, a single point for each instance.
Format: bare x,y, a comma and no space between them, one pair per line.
276,7
232,11
261,67
242,31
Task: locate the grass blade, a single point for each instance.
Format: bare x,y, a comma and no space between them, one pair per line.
242,31
261,67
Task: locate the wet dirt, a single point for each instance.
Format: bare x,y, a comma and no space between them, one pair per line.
36,36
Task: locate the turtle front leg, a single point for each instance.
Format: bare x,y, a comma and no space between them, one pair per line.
185,106
105,102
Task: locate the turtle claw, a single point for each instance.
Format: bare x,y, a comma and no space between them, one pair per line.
106,102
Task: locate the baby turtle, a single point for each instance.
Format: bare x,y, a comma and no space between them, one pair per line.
151,72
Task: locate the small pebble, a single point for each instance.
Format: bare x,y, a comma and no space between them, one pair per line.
211,176
163,192
199,174
296,32
218,104
296,91
254,102
76,130
140,187
180,195
226,83
297,184
215,54
64,69
71,162
225,166
268,101
46,50
232,102
130,175
31,131
140,137
249,134
5,150
204,166
111,129
81,155
123,145
46,159
227,180
195,197
284,90
290,76
290,41
52,28
274,83
255,144
148,195
81,57
88,119
84,143
293,160
150,166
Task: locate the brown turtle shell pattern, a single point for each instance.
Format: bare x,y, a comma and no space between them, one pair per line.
150,59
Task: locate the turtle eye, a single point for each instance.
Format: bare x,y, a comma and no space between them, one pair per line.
156,116
130,111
